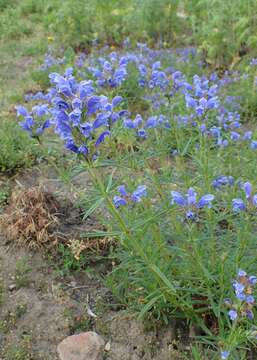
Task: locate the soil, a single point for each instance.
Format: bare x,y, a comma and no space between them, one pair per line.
39,308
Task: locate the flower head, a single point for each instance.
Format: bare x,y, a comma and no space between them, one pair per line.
125,197
190,202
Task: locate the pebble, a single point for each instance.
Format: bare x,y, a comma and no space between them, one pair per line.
12,287
107,346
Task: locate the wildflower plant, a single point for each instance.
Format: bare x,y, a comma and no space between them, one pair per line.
177,249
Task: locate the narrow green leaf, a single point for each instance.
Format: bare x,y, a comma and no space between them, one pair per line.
93,208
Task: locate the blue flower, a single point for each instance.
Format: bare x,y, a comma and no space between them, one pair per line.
151,122
102,137
71,146
35,122
129,124
117,100
40,110
136,196
27,124
119,201
222,181
178,198
239,288
75,117
190,199
101,120
249,314
243,290
248,190
238,205
250,299
241,273
140,192
205,201
228,302
232,314
83,150
141,133
224,355
253,145
77,103
252,280
234,136
190,102
248,135
122,190
85,89
94,104
252,199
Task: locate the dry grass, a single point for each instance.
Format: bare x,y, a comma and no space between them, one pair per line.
35,218
97,245
31,218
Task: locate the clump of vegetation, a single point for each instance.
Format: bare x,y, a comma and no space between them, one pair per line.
174,197
169,146
20,351
4,194
31,217
16,150
224,31
21,273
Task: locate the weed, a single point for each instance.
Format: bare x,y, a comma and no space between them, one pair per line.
16,150
77,323
67,262
11,318
21,273
4,194
22,351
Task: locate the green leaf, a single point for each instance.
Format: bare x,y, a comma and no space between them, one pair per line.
93,208
149,305
99,233
164,279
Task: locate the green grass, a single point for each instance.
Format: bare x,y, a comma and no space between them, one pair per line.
20,55
21,273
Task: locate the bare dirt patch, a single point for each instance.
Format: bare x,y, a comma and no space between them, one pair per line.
39,307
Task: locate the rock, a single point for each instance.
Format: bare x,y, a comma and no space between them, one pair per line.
85,346
12,287
107,346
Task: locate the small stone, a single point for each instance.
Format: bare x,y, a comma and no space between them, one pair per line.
12,287
107,346
85,346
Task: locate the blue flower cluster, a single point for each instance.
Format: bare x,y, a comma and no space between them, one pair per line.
111,72
190,202
50,61
142,126
251,200
222,181
82,119
245,301
36,121
125,198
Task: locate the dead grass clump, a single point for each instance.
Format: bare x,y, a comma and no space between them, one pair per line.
96,245
31,218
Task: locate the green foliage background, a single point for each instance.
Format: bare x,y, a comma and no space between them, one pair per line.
224,30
